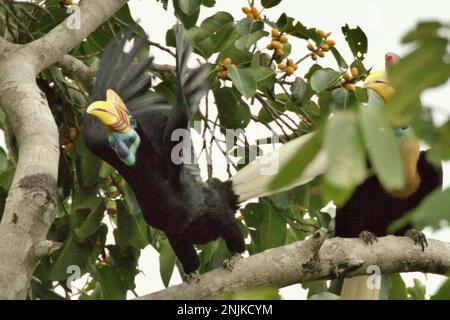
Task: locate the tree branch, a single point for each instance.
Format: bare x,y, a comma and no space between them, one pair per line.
50,48
77,69
159,46
316,258
31,203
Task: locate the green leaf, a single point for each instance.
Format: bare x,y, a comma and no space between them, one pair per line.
339,59
72,254
213,255
270,3
247,40
187,11
246,26
323,79
398,288
357,41
3,160
215,34
167,259
38,291
88,165
111,284
92,222
264,76
341,98
443,293
298,89
6,178
423,32
243,80
273,229
344,145
266,117
315,287
85,199
131,200
299,162
233,111
418,291
209,3
125,261
423,68
433,210
131,229
382,148
338,195
296,29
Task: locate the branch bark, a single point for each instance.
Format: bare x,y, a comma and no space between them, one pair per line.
77,69
30,206
317,258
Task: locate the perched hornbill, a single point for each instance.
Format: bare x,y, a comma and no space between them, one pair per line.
132,131
371,209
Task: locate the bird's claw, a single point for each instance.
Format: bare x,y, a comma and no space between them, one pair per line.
418,237
192,277
229,263
368,237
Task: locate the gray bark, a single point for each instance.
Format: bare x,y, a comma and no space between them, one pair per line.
317,258
30,206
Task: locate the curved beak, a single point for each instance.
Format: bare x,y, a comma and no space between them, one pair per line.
104,111
112,112
377,82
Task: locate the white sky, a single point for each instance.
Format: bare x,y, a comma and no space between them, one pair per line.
384,21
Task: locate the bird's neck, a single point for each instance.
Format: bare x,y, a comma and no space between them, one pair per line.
410,152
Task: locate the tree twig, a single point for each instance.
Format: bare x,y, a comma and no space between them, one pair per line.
157,45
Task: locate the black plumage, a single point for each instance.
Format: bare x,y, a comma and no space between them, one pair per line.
172,197
373,209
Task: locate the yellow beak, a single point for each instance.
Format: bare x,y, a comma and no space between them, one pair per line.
377,82
104,111
112,113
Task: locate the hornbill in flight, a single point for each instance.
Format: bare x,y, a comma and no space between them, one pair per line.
371,208
132,131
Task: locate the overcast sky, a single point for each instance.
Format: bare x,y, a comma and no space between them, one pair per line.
384,21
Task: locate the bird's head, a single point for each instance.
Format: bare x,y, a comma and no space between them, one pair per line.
378,82
122,137
112,113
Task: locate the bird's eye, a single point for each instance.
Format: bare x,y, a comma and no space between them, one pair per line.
133,122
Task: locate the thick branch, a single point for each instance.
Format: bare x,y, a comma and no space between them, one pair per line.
315,259
30,206
77,69
58,42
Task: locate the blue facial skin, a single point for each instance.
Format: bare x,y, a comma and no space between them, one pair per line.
125,144
401,132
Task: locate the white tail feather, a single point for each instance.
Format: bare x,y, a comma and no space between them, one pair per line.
253,180
357,289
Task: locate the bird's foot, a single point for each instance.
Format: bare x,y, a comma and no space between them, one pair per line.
229,263
368,237
193,277
418,237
